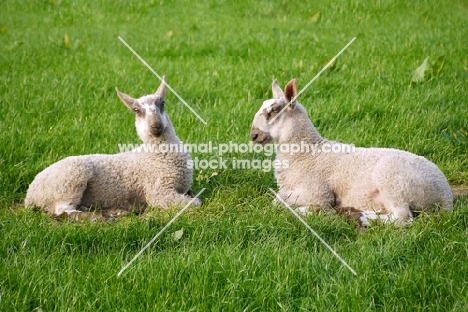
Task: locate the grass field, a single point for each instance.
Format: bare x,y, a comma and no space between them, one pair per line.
60,62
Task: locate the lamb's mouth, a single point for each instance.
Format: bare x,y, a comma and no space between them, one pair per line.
260,137
157,131
264,142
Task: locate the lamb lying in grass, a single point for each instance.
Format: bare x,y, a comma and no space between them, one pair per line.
370,183
125,182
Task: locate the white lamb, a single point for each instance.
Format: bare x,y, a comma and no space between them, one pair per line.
370,183
125,182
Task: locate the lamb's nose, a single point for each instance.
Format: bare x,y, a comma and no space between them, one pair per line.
156,125
253,135
156,129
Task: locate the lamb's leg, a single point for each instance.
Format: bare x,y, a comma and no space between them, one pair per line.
399,216
183,200
69,201
386,218
59,188
108,215
394,188
365,218
171,198
354,215
396,209
77,215
306,201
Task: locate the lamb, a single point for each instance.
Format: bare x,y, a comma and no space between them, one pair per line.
125,182
365,183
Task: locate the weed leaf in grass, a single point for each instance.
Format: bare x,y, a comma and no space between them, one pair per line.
316,17
418,73
178,234
66,41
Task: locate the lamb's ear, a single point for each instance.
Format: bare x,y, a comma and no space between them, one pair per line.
277,92
290,92
162,88
126,99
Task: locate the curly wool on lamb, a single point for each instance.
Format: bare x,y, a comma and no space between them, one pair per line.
129,181
383,183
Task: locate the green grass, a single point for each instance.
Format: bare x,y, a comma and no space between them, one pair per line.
238,252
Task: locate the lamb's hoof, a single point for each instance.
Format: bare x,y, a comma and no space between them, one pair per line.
112,214
402,223
304,210
353,215
71,216
60,217
75,216
196,202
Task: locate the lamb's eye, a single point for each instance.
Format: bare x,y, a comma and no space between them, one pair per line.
275,110
136,110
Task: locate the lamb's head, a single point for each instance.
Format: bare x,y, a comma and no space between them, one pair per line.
151,119
273,119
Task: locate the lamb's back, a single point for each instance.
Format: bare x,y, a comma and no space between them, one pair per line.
130,177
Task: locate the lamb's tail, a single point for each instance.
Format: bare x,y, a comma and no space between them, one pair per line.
190,193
